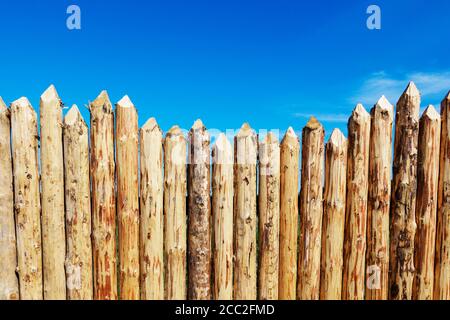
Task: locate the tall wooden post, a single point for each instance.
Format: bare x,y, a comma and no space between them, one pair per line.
353,284
380,159
403,225
334,217
102,167
311,211
27,204
427,185
269,217
289,154
245,224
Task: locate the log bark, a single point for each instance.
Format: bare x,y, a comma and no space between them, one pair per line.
403,225
427,185
151,223
199,253
269,217
78,207
380,155
289,160
27,204
245,219
102,168
52,182
128,198
442,265
222,209
356,205
9,285
334,217
311,211
175,214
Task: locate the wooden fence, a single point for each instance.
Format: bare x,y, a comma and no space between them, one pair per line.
108,211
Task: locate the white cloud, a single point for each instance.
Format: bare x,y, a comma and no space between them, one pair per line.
325,117
432,85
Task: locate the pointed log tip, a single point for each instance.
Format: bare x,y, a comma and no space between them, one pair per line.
198,125
22,102
222,141
360,111
2,105
290,133
72,116
337,138
411,90
448,96
384,104
175,131
313,123
431,113
125,102
50,94
151,125
270,138
245,130
101,101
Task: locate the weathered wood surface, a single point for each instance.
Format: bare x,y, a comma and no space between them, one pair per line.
9,285
311,208
27,200
403,203
426,208
289,171
245,218
128,198
222,209
102,166
151,223
199,249
269,217
380,161
334,217
353,284
78,207
175,214
442,266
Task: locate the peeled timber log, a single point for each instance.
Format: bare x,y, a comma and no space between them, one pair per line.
222,209
334,217
427,186
380,155
78,207
102,168
269,217
403,225
151,223
289,160
356,206
27,204
175,214
245,219
311,208
52,177
442,267
9,285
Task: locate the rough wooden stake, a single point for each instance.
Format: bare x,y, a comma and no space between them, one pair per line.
334,217
78,207
52,177
199,184
222,209
289,160
442,266
9,285
356,206
403,225
27,204
151,223
128,198
269,217
245,219
380,159
175,214
427,185
311,211
102,168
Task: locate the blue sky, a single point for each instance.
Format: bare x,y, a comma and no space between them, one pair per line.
271,63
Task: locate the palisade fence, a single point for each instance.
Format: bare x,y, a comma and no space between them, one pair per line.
108,211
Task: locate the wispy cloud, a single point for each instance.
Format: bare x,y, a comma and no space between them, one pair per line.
325,117
432,85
